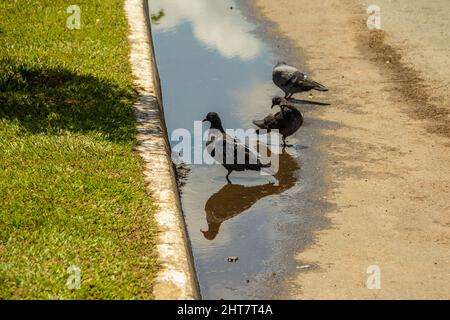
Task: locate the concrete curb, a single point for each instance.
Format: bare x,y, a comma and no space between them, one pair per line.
177,278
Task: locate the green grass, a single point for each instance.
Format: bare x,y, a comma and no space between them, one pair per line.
71,185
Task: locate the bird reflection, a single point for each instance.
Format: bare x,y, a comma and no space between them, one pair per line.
234,199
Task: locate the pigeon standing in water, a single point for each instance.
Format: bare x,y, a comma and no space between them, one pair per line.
287,121
291,80
228,151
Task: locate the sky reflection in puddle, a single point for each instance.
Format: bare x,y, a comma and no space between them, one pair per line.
209,60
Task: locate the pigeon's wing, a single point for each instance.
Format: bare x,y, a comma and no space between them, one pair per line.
274,121
228,150
214,144
269,122
289,76
316,86
250,155
240,153
299,79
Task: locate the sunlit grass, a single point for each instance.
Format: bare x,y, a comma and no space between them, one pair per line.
71,186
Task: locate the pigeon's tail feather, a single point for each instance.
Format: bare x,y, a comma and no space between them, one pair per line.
259,123
319,87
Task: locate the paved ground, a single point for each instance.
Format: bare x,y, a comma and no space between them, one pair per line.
388,163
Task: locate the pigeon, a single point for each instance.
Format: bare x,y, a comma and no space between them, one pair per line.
228,151
291,80
287,121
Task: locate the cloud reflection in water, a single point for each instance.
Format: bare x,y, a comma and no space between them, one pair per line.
213,24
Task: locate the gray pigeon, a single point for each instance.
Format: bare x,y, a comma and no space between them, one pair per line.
228,151
291,80
287,121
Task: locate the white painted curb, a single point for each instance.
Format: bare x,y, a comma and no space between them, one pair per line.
176,279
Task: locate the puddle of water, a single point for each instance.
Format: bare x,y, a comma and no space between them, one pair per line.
210,59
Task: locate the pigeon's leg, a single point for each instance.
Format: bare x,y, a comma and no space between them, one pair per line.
289,96
228,174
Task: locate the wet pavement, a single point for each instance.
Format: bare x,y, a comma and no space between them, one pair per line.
218,56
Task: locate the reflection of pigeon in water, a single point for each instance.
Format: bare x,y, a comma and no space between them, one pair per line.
228,151
234,199
291,80
287,121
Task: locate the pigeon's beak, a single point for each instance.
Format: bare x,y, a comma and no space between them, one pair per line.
204,120
273,105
